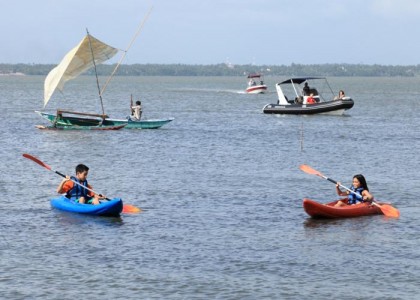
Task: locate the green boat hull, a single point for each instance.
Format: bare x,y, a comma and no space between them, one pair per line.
69,121
142,124
76,127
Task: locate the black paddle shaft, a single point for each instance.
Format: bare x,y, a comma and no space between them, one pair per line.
332,180
61,174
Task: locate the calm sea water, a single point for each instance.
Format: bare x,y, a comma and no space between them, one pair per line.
221,191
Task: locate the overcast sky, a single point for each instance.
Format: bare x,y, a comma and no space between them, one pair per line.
272,32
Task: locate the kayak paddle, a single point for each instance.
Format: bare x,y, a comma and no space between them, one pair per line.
127,208
386,209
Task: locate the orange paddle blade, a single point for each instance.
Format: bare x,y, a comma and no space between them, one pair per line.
389,211
309,170
130,209
39,162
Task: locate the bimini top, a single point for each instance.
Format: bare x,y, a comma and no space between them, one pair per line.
254,75
299,80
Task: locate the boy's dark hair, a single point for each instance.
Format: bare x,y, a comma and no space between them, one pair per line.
81,168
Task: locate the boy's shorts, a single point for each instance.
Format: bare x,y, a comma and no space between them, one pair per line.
88,200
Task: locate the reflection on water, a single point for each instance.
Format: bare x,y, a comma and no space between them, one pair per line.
68,218
311,223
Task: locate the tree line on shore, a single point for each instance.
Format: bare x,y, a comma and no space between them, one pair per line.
228,70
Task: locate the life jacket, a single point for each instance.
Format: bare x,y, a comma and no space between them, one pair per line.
77,191
353,198
311,100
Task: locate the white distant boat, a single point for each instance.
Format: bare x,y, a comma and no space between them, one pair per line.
255,87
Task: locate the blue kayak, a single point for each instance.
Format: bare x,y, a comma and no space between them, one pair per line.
110,208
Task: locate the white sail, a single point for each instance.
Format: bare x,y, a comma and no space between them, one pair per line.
77,61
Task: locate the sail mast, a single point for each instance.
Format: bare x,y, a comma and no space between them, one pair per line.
125,52
96,74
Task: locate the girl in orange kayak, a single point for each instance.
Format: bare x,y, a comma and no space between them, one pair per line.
360,187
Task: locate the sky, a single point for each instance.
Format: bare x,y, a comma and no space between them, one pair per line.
260,32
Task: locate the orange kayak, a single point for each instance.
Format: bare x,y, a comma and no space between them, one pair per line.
319,210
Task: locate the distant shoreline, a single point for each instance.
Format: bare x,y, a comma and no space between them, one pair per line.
223,69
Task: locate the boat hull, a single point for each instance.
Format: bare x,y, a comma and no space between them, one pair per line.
335,106
257,89
77,127
68,121
328,211
111,208
142,124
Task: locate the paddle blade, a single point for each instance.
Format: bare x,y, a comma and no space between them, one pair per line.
390,211
309,170
130,209
33,158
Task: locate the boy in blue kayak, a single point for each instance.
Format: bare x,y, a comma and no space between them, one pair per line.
75,191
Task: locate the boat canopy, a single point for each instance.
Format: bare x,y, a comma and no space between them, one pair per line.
254,75
77,61
299,80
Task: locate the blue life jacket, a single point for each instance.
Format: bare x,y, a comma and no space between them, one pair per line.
353,198
77,191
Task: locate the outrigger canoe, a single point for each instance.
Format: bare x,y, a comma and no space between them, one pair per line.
111,208
320,210
73,122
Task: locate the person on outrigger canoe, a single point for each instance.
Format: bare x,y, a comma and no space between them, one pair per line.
76,192
360,187
136,111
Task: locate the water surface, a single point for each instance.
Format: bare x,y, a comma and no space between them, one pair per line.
221,191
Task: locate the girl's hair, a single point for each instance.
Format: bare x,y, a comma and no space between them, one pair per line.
362,181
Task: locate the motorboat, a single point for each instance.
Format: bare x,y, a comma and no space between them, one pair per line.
299,96
256,84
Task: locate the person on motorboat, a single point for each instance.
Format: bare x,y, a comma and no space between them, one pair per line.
360,187
340,96
311,99
306,89
74,191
